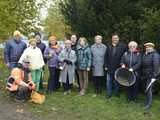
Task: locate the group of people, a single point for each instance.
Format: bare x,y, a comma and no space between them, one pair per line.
75,61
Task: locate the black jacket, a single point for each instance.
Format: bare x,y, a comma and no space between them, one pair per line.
112,62
42,47
150,64
132,60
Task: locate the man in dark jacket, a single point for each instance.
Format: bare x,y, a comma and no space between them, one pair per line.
13,50
112,59
42,47
150,70
74,41
40,44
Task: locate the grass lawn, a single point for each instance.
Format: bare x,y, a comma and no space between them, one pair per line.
73,107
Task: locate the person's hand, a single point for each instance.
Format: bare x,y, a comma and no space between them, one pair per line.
153,79
88,69
123,66
130,69
8,65
50,55
68,62
105,68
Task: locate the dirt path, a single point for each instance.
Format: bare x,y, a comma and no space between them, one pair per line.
9,110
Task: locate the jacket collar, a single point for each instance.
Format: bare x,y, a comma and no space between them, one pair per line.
81,47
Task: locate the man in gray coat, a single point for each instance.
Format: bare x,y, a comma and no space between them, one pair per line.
98,52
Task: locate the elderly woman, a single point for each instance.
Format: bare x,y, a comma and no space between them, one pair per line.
98,52
150,67
51,54
132,60
83,63
68,58
35,57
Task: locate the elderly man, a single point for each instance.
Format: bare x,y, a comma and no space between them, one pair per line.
13,50
74,41
150,69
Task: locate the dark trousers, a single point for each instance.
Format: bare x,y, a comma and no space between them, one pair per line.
132,91
22,93
58,84
98,80
53,79
67,86
77,78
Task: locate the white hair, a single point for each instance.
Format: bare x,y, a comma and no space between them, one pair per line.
17,33
132,43
98,36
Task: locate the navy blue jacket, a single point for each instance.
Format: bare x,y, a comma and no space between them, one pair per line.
132,60
13,51
150,64
42,47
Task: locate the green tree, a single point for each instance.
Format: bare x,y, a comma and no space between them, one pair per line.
18,14
132,19
55,22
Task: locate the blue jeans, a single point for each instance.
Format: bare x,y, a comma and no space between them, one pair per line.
12,65
109,85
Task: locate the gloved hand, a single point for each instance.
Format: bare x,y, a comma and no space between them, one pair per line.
105,68
88,69
123,66
130,69
68,62
153,80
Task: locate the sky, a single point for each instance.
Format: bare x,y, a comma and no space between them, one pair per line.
44,10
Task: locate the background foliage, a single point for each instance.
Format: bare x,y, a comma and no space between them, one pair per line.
18,14
133,19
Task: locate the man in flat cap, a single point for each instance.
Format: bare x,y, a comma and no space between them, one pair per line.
150,68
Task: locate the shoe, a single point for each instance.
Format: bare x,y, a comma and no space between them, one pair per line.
95,95
117,95
108,96
147,107
82,93
19,101
69,91
65,93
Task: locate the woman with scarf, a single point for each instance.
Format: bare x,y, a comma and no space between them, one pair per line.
132,60
51,54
